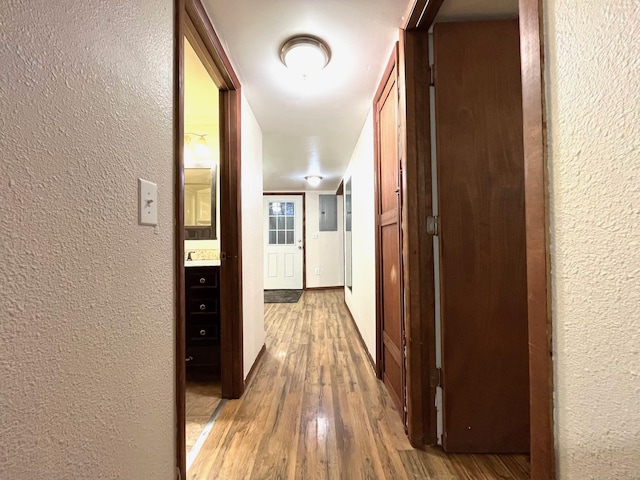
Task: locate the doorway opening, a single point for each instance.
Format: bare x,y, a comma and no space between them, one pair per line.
209,350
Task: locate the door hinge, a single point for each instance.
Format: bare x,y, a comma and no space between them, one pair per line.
433,225
436,378
432,75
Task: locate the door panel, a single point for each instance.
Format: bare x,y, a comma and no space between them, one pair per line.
483,267
391,282
390,275
284,248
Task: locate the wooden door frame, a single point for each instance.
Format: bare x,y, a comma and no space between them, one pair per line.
304,230
419,17
192,21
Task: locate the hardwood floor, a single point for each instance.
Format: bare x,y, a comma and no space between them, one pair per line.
315,410
202,397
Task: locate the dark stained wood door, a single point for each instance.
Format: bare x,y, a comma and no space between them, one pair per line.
483,266
388,224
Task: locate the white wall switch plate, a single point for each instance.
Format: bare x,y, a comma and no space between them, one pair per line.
317,271
147,202
315,235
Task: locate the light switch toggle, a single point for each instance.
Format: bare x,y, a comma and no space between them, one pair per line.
147,201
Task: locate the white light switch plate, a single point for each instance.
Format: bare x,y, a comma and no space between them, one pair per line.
147,202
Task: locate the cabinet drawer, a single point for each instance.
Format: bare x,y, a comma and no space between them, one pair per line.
205,304
201,277
203,355
203,332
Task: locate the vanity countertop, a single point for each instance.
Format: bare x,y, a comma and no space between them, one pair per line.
202,263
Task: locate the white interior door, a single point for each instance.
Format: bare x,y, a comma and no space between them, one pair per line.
283,252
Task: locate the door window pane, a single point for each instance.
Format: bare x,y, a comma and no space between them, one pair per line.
281,223
289,209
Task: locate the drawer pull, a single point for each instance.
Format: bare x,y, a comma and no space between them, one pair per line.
188,359
203,307
203,332
202,279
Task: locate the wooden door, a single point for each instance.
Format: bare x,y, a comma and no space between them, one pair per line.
390,308
483,267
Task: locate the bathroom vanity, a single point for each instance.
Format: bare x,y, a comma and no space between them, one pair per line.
202,303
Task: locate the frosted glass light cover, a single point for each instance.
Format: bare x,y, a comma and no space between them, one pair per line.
305,59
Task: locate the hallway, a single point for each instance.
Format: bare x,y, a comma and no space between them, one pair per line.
315,410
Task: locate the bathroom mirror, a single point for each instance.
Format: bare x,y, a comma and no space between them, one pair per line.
347,235
200,203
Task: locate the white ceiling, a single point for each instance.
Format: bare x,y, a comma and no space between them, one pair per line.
309,127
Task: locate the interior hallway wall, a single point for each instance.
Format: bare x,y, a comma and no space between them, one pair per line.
252,233
324,250
361,299
593,107
87,322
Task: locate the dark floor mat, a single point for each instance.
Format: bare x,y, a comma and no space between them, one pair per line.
282,296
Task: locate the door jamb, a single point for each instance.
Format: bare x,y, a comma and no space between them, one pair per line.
192,20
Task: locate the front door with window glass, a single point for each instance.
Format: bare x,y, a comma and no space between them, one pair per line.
283,242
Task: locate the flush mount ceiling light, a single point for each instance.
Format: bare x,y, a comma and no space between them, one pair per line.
305,54
313,180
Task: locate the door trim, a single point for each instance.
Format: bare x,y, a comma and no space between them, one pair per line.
304,230
192,21
537,226
420,16
178,260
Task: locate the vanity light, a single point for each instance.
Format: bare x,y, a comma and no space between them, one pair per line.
313,180
197,154
305,54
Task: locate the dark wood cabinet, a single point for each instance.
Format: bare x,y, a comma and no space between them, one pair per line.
202,301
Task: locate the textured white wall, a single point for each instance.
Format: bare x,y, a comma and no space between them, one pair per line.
86,306
326,251
593,100
361,300
252,244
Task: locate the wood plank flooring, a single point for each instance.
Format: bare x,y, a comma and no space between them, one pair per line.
315,410
202,397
